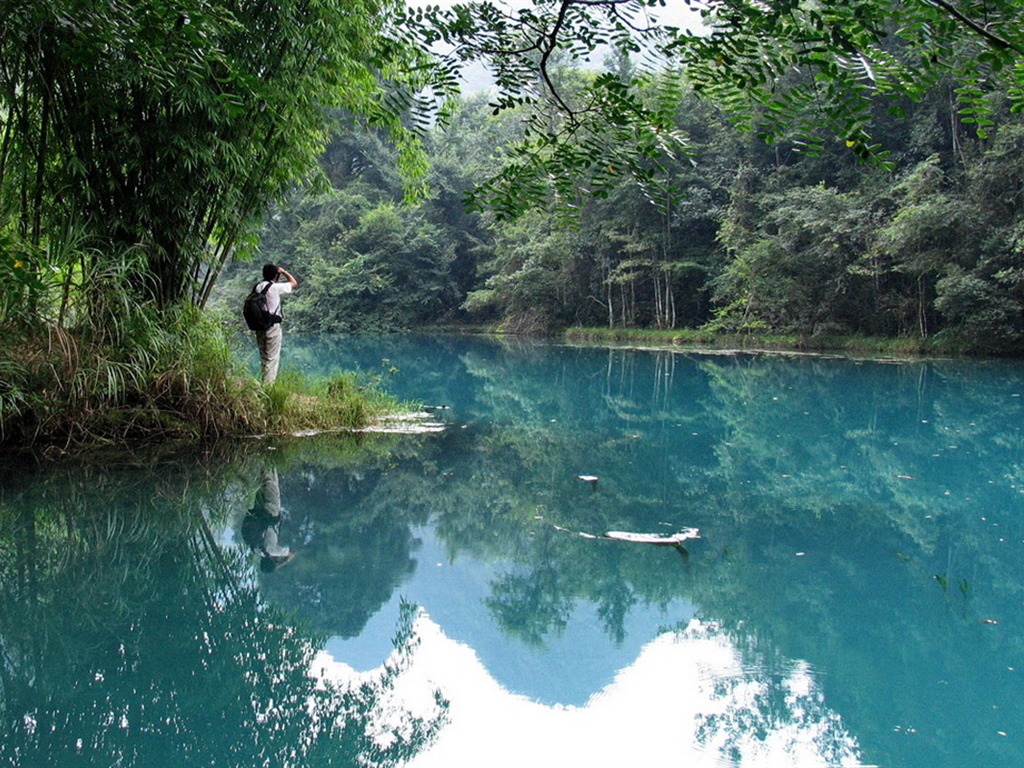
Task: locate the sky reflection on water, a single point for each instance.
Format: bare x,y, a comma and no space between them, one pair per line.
689,698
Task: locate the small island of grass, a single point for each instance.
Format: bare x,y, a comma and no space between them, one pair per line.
161,376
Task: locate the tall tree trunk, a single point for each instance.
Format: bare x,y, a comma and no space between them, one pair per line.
657,296
611,303
922,312
5,146
954,126
44,132
671,300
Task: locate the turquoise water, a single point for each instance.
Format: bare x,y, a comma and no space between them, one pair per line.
856,596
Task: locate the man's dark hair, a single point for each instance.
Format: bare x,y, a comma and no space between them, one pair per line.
270,272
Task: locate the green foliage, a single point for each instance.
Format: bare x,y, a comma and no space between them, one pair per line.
534,269
127,370
587,131
811,75
140,143
790,264
174,377
170,130
739,238
340,402
365,264
988,313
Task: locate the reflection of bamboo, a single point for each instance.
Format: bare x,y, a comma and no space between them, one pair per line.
257,663
29,556
207,551
7,664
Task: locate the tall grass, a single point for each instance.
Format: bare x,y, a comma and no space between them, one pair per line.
295,402
182,383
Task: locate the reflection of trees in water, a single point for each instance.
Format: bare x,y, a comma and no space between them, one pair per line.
129,637
760,700
857,465
531,605
842,450
355,547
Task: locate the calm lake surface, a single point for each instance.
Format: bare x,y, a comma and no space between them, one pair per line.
855,597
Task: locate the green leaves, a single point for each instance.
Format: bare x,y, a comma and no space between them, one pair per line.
583,133
812,73
830,63
170,126
620,136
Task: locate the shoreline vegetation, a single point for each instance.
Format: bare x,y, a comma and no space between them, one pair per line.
294,406
902,347
64,394
157,377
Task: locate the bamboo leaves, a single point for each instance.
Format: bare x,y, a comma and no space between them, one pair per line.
170,125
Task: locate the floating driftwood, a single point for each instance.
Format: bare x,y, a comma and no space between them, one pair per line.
658,539
664,539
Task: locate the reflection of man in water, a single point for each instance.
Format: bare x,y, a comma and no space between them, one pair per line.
262,524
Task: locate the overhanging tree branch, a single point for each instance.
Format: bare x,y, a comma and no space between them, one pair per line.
992,39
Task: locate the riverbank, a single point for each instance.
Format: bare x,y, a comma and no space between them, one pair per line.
173,377
294,406
843,345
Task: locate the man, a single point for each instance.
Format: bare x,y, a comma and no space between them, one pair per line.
270,340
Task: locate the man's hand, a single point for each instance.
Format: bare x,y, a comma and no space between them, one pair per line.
287,275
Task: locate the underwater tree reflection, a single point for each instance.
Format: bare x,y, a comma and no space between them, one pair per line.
356,548
128,636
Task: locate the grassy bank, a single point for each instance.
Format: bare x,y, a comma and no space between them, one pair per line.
159,377
295,402
851,345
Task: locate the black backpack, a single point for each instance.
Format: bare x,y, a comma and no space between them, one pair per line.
255,311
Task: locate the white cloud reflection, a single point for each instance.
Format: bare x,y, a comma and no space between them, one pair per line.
689,699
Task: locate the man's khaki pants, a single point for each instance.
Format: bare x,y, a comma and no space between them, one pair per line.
270,352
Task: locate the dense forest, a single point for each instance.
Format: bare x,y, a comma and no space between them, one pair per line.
738,236
835,167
